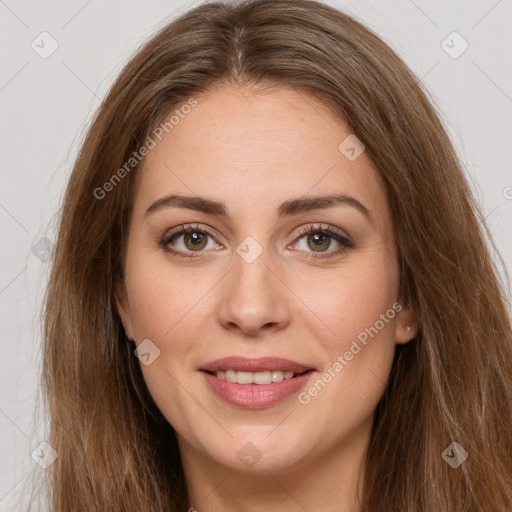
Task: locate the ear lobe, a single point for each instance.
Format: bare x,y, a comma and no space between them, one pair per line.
406,327
123,308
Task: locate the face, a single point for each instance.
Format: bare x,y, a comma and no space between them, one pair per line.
300,296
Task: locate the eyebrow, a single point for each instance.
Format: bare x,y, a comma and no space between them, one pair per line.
288,208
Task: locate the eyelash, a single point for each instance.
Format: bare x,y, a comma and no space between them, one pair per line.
330,231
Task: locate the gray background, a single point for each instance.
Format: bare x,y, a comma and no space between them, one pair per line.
46,105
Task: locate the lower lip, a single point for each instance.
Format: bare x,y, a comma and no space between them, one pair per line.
254,396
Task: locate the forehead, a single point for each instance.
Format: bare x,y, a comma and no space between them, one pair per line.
253,148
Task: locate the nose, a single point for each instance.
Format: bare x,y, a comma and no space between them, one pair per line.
254,298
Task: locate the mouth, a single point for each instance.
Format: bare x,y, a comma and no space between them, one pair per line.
255,383
262,378
261,370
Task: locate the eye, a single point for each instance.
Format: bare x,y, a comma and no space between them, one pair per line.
193,239
318,240
184,241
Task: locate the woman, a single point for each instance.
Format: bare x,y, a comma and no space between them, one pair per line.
271,287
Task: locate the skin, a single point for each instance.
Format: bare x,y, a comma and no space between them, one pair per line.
253,150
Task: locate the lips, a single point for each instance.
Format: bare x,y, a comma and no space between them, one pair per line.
242,364
255,383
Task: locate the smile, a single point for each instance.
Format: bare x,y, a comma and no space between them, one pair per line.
261,378
255,383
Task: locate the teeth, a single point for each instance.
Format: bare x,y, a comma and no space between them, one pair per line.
277,376
244,378
230,376
266,377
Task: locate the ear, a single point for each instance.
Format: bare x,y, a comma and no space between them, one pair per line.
123,308
406,326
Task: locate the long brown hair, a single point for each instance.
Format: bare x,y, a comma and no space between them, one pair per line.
452,383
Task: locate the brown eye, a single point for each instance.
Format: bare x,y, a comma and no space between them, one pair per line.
184,241
315,239
195,241
319,242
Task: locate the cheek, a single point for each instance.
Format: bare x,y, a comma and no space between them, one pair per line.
154,307
352,302
358,345
163,297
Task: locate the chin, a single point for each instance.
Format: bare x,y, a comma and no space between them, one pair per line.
259,450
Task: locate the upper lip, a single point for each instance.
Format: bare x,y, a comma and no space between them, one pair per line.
260,364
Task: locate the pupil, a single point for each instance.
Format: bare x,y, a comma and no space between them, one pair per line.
319,239
195,239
